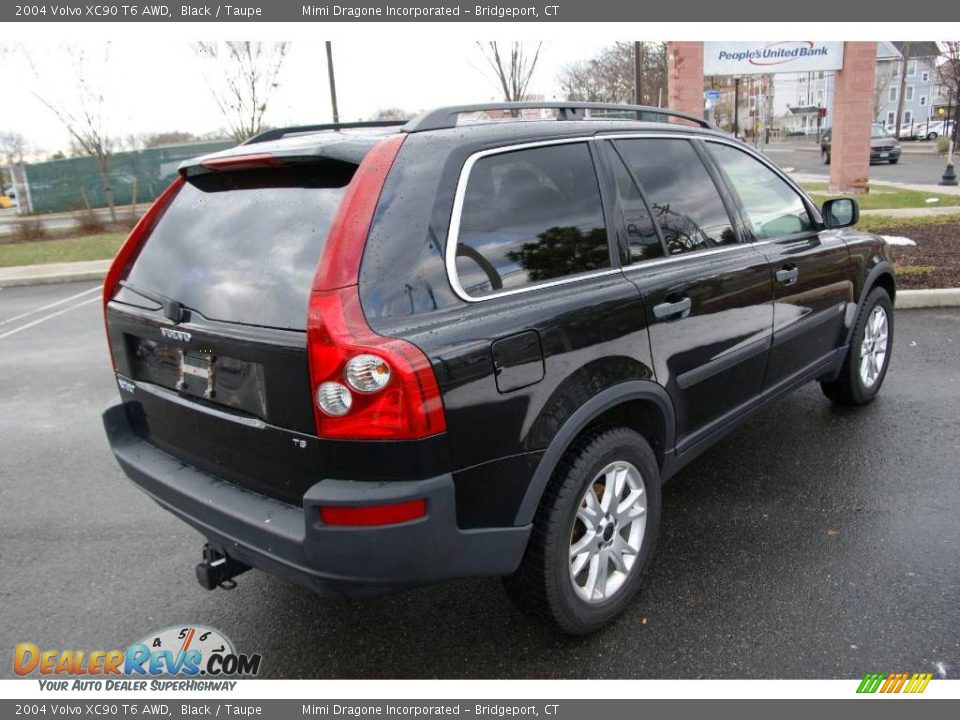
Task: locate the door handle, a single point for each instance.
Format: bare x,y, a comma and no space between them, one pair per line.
673,310
788,274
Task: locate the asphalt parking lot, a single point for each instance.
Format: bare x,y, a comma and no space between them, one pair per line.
916,168
814,542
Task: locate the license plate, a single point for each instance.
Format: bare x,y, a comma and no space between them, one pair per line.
884,154
196,374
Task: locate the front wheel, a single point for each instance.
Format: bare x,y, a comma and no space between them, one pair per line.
894,161
932,136
594,533
868,356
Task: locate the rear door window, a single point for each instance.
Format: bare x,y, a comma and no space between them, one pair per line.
686,204
243,247
530,216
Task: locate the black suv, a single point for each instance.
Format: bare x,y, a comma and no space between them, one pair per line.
365,358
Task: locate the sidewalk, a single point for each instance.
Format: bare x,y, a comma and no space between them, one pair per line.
51,273
935,189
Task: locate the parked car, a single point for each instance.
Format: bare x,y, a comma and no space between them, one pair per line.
365,358
883,147
8,198
934,129
926,130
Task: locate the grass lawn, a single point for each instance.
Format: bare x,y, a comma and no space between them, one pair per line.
872,223
883,197
89,247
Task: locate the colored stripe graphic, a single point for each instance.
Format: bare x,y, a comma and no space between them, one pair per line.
894,683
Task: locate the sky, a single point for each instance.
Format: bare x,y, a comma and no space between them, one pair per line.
159,86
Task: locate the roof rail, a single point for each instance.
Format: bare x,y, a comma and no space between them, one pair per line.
277,133
446,117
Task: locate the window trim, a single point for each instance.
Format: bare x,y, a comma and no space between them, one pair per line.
453,231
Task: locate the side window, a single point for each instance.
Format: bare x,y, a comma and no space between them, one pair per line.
773,208
642,238
685,202
530,216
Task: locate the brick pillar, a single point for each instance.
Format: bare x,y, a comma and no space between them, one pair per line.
852,119
685,77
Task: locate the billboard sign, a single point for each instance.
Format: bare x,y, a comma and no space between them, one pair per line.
756,58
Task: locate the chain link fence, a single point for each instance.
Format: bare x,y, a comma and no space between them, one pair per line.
135,177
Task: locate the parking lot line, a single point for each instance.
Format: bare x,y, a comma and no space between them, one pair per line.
48,306
48,317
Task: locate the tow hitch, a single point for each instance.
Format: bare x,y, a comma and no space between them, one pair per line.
218,570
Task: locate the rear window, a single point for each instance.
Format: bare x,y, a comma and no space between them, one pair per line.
530,216
243,247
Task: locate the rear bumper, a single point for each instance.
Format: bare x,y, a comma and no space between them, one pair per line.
291,541
885,154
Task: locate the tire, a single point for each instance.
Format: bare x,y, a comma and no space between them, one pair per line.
825,157
932,136
853,386
544,585
895,161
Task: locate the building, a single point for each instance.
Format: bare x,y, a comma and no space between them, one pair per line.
919,84
798,96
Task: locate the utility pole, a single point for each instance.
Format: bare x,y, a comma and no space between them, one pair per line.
736,107
638,72
333,83
949,174
903,88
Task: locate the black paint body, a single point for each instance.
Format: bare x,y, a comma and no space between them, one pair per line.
521,374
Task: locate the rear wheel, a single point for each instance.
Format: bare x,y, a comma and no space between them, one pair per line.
868,356
594,533
931,136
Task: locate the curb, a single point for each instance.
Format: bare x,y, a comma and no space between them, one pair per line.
54,274
939,298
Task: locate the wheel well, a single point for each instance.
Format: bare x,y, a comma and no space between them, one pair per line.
644,416
885,280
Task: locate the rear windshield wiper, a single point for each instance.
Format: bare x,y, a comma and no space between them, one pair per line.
173,310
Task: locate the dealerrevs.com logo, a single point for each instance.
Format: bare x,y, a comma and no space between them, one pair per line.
188,652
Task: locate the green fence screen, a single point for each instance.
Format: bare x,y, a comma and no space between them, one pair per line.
60,185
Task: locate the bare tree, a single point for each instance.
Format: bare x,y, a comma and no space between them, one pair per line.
513,66
882,85
82,113
610,76
948,71
13,146
392,113
242,76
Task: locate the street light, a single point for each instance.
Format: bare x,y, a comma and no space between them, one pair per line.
949,176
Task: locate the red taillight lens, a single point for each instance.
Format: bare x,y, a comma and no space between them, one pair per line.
359,515
243,162
409,406
131,246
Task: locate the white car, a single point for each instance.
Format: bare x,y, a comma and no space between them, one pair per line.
926,130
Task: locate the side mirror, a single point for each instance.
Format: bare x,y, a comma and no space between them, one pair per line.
841,212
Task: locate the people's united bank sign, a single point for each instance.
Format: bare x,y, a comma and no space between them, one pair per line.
753,58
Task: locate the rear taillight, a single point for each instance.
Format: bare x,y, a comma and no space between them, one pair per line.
393,397
131,246
366,515
365,386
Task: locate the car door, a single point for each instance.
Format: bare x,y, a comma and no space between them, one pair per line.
813,281
707,294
